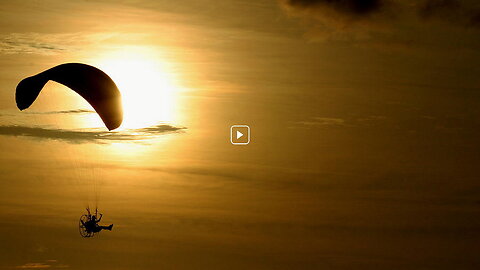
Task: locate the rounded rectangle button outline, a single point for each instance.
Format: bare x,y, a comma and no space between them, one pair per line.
239,126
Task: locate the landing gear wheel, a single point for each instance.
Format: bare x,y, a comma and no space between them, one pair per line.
84,232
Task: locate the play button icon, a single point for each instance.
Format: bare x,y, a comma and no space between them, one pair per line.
240,134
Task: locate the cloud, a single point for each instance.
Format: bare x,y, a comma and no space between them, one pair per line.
16,113
48,264
29,43
346,7
34,266
334,15
365,18
452,11
371,120
53,43
89,136
79,111
323,121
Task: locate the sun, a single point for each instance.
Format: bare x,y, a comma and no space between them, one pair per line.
148,85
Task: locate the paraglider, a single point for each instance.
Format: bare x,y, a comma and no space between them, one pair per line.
96,87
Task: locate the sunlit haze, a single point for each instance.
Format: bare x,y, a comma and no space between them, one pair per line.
340,134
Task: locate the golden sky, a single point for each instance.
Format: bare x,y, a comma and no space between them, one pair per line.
364,118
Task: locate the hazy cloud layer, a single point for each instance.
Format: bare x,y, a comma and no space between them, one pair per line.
88,136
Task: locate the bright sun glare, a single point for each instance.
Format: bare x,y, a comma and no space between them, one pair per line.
148,85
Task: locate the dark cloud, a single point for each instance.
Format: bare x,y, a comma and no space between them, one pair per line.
378,15
341,19
89,136
430,7
348,7
452,11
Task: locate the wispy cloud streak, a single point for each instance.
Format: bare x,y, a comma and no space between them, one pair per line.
48,264
49,43
89,136
79,111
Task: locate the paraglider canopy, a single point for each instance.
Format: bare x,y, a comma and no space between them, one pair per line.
96,87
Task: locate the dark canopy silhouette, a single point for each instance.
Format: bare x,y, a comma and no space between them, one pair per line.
96,87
